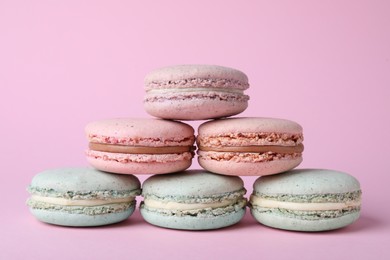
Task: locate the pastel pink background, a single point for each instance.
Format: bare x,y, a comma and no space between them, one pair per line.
324,64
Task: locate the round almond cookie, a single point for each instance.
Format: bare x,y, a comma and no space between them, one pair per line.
140,146
82,197
195,92
193,200
249,146
306,200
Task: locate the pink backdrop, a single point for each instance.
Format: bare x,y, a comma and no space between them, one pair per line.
324,64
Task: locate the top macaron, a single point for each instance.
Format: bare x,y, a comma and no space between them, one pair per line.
195,92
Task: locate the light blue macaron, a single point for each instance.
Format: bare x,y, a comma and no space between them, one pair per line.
306,200
82,197
193,200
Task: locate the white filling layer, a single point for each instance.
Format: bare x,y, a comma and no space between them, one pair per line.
266,203
90,203
186,90
170,205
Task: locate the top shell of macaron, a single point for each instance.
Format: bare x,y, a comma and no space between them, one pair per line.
65,180
140,131
192,183
307,181
249,125
188,72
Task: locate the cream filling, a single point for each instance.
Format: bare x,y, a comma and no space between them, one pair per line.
187,90
266,203
171,205
114,148
89,203
255,149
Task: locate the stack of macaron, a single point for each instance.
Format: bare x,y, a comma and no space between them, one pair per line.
226,148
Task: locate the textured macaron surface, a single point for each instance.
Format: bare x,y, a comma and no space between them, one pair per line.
191,184
306,200
249,131
307,182
83,191
198,76
309,186
83,183
140,132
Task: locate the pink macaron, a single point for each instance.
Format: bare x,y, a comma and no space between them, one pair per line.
195,92
249,146
140,146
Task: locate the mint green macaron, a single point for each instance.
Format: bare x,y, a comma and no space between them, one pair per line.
82,197
306,200
193,200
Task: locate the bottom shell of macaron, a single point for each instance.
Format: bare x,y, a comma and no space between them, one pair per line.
196,107
246,167
125,166
309,221
82,216
205,220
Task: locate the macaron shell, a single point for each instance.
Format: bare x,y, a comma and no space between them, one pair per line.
195,108
83,179
192,183
281,222
140,131
192,222
189,71
249,125
311,181
249,168
114,166
80,220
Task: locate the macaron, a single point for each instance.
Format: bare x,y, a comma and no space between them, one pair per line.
306,200
193,200
195,92
140,146
249,146
82,197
